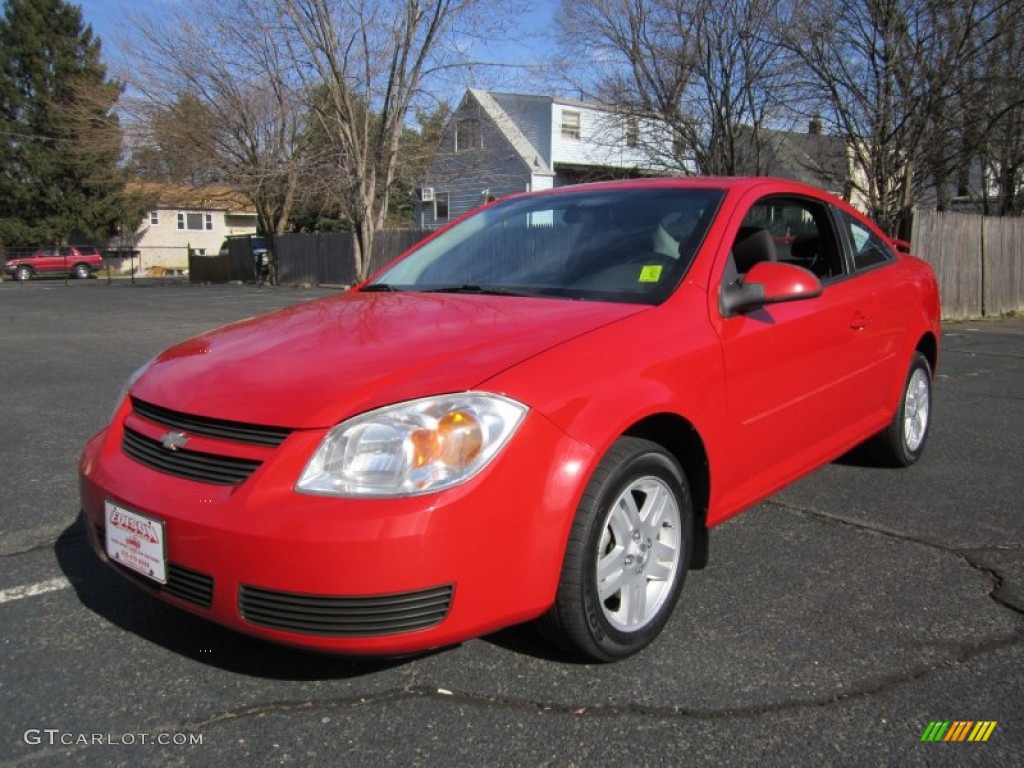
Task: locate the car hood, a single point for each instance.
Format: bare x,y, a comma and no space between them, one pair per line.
314,364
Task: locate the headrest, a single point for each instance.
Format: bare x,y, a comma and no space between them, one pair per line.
752,245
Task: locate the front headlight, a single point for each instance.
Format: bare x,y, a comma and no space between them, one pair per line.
415,447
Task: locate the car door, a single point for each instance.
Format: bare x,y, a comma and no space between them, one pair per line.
66,259
47,261
797,373
874,264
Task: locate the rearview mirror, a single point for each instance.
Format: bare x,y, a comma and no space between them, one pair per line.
769,282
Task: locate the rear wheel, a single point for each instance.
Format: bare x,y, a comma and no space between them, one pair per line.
23,273
627,556
902,443
81,271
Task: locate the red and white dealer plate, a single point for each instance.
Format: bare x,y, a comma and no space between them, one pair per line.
136,541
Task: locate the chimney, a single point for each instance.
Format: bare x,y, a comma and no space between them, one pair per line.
814,126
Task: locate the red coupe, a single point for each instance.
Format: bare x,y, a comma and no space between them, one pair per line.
537,413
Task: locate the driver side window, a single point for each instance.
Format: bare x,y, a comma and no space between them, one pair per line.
800,231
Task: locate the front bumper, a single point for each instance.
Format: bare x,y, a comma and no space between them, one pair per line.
359,576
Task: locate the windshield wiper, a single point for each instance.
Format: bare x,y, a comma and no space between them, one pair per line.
378,288
483,290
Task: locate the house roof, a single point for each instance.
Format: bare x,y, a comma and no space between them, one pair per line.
565,102
208,197
522,145
810,158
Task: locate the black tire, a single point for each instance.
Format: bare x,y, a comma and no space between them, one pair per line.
81,271
902,442
23,273
649,557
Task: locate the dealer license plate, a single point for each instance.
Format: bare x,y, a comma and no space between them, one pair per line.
136,541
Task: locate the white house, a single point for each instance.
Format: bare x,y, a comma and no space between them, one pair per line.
183,218
496,144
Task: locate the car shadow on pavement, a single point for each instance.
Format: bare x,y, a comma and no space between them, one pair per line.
526,640
866,455
115,599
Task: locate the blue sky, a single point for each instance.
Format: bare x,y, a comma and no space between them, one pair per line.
108,20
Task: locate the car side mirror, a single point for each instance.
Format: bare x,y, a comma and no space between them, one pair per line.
769,282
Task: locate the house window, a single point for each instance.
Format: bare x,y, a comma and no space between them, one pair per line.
440,205
632,132
467,135
679,146
570,124
154,218
194,221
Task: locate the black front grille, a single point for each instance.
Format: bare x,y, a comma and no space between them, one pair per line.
234,431
344,616
193,465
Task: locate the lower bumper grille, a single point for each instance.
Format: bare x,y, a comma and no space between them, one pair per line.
188,585
183,583
345,616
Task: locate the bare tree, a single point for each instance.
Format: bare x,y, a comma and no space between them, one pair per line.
1000,107
369,61
206,83
890,76
709,72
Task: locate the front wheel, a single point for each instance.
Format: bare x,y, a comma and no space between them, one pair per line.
902,443
627,555
23,273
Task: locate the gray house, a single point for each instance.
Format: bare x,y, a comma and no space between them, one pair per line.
811,158
497,144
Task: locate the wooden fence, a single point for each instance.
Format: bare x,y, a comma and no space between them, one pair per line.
979,261
318,258
328,257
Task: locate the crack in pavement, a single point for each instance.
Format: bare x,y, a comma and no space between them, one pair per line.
998,593
961,652
61,537
480,700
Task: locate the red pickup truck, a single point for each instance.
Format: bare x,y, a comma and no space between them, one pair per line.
75,260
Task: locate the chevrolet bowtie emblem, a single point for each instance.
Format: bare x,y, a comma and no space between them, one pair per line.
174,441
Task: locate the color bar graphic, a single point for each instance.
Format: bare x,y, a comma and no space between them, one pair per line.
982,730
959,730
935,730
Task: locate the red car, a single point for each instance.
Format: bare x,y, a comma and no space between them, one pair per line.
538,413
75,260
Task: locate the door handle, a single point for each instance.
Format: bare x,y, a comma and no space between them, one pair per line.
859,321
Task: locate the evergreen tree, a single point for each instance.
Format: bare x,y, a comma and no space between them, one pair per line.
59,138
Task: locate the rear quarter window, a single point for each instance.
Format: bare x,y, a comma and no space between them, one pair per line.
869,249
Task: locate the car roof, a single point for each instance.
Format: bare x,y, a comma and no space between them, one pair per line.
724,183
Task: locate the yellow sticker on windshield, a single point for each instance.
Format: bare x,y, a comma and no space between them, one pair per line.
651,273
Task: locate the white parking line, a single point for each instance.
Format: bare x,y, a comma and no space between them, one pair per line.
30,590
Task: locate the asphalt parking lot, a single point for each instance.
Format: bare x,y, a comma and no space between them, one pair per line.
834,623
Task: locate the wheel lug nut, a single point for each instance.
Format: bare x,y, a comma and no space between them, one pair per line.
636,536
629,559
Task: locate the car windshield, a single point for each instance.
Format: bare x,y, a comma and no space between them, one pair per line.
621,244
